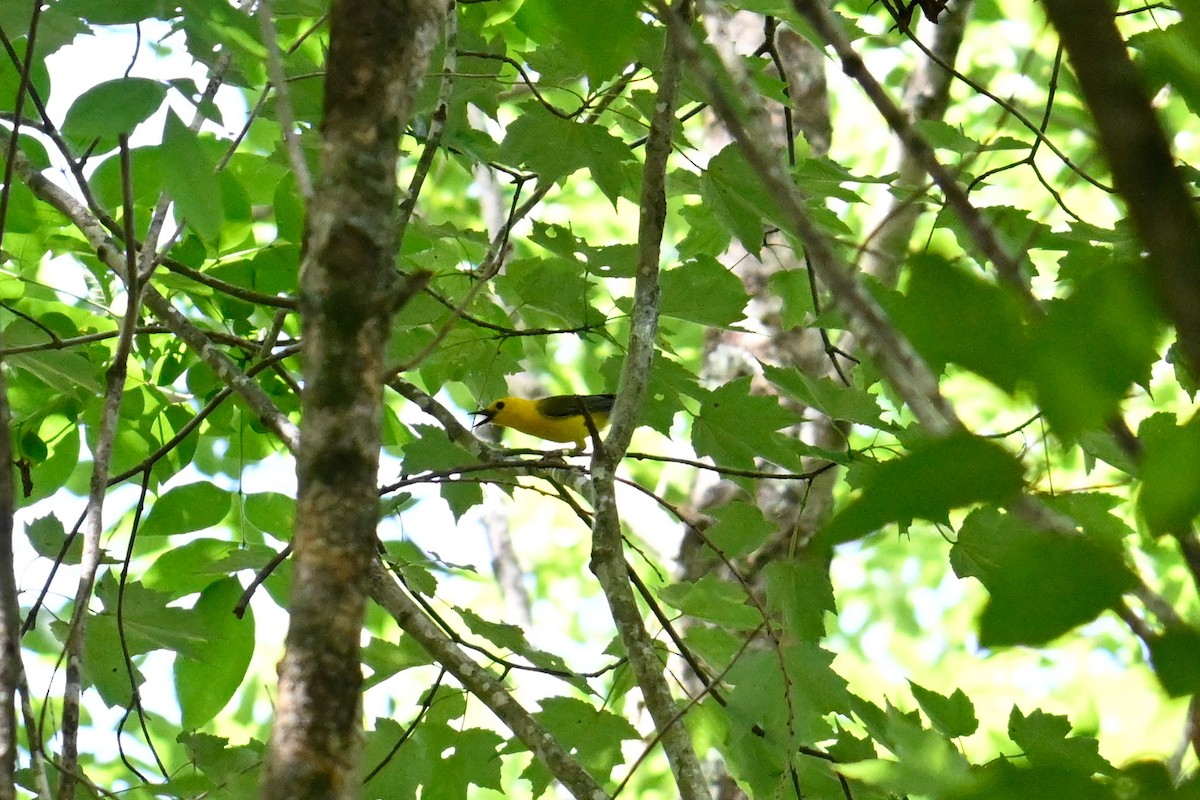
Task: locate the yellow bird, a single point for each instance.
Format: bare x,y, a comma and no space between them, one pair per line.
557,419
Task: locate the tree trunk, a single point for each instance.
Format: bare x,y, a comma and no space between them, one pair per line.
349,290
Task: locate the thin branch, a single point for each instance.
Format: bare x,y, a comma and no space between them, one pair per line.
111,254
481,683
135,695
1038,131
528,81
283,101
93,528
410,729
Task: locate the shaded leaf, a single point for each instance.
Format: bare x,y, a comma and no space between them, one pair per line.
112,108
703,291
952,716
1170,470
1041,584
192,180
1046,742
933,478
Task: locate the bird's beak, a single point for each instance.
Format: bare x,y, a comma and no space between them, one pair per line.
484,416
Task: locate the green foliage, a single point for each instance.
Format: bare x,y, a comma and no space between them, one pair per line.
930,481
1032,633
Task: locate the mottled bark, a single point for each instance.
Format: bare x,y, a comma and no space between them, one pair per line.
10,653
349,290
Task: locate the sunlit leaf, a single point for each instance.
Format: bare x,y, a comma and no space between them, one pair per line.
191,507
206,683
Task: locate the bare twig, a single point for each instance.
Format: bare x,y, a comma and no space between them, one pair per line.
283,101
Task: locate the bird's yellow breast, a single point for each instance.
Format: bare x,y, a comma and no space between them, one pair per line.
556,419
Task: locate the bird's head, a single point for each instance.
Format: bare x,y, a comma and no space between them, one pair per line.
485,415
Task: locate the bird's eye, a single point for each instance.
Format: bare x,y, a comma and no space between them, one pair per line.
499,406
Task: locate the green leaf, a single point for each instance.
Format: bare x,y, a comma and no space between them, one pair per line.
1170,471
52,473
192,180
945,137
1045,741
763,697
472,761
714,600
795,293
289,210
732,191
271,512
705,233
47,536
833,399
600,38
800,590
193,566
1041,584
952,716
1092,346
384,658
933,478
740,528
191,507
952,315
704,292
735,427
558,287
104,664
1174,657
112,108
574,146
1170,56
596,735
204,684
232,769
1002,780
65,371
149,623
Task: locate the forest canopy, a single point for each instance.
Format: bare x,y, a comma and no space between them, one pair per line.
899,305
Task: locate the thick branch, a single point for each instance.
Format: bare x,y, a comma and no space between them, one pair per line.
10,647
349,289
608,561
1137,150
